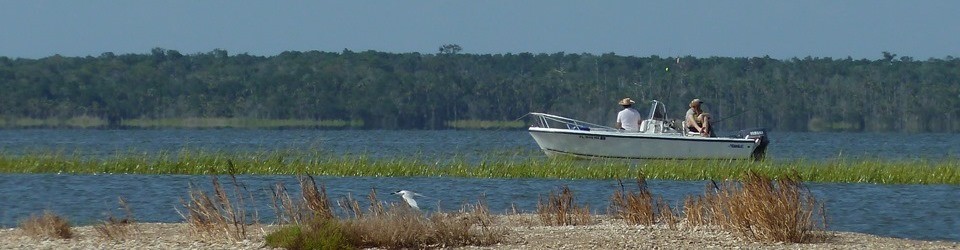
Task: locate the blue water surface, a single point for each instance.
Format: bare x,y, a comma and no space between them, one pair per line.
908,211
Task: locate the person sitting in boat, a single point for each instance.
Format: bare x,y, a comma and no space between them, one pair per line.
628,119
697,120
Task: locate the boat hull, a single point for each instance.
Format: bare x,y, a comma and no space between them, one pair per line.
615,144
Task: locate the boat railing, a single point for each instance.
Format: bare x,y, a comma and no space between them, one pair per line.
554,121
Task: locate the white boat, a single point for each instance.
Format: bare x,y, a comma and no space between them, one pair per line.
658,138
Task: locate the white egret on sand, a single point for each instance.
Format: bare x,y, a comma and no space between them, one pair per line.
408,197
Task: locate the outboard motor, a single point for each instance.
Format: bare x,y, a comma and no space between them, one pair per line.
759,135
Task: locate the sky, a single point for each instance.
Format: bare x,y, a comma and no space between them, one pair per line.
780,29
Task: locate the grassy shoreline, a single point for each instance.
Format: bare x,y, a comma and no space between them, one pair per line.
282,162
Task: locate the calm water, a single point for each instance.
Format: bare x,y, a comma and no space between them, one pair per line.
909,211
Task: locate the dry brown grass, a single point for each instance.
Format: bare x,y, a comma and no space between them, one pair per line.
665,214
315,198
698,210
780,210
117,229
314,204
403,227
767,210
285,208
220,213
634,207
353,209
351,206
47,225
641,207
561,209
378,226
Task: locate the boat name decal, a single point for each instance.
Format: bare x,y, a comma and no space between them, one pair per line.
593,137
736,145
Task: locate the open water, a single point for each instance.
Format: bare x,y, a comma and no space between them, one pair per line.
907,211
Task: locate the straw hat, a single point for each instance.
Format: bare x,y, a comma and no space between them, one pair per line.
695,102
626,101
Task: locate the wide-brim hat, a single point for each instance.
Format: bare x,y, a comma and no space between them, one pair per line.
695,102
626,101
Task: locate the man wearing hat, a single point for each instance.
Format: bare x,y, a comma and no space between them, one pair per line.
697,120
628,119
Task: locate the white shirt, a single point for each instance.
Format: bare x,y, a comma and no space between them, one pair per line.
629,119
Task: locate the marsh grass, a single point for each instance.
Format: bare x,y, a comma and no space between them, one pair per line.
393,226
774,210
561,209
315,198
403,227
486,124
220,213
634,207
114,228
287,210
317,162
760,208
641,207
47,225
224,122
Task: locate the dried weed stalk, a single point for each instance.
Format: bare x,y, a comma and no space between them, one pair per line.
47,225
767,210
561,209
314,198
117,229
219,213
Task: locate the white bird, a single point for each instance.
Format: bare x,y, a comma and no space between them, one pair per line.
408,197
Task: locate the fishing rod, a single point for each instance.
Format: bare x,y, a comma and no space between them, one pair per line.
732,116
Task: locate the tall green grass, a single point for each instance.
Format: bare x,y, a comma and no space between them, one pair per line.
221,122
321,163
485,124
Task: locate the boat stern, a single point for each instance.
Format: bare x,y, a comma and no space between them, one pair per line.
760,136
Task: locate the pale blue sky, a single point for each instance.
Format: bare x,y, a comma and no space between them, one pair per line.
780,29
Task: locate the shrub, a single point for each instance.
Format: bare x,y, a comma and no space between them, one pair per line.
47,225
316,234
780,210
759,208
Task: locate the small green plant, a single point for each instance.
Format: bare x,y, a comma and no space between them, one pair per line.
315,234
47,225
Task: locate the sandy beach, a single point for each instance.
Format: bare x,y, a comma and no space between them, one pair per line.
524,233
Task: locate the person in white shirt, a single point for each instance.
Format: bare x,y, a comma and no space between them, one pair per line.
628,119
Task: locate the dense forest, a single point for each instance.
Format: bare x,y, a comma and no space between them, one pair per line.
428,91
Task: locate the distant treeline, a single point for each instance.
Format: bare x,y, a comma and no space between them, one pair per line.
433,91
